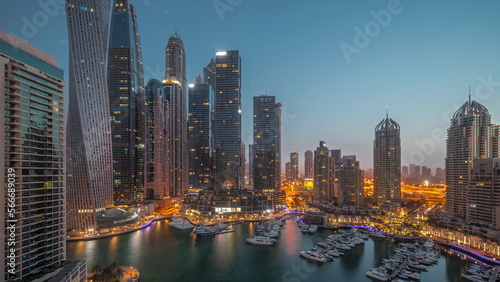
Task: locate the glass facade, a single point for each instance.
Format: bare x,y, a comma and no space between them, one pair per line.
126,101
34,161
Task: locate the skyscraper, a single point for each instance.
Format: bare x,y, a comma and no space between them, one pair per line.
294,160
33,164
483,195
351,182
175,92
324,173
199,113
266,138
156,166
308,165
337,155
227,120
89,147
126,101
387,162
288,171
471,135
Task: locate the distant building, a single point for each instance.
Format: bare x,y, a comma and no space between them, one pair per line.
324,173
470,136
440,174
404,172
387,162
227,121
126,102
426,172
308,165
267,138
199,127
294,161
288,171
351,182
156,165
33,160
337,155
483,195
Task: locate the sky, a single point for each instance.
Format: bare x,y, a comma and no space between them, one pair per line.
334,65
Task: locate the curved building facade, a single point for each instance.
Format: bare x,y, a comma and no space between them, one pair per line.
89,159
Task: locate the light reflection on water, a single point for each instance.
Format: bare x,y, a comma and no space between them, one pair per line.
163,253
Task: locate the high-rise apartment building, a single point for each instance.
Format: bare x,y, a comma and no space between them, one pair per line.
308,165
324,173
175,92
266,147
483,195
156,165
199,114
33,160
351,182
294,160
227,120
387,161
470,136
126,101
89,146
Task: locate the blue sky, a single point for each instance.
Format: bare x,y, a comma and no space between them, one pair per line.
419,63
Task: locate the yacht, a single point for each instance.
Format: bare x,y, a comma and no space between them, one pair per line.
261,240
205,231
180,223
315,256
377,274
429,243
313,228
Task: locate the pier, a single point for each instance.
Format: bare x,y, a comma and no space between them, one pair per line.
494,276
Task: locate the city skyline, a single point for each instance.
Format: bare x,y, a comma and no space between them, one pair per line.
439,65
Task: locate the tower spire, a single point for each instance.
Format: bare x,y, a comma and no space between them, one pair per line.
175,28
386,112
469,96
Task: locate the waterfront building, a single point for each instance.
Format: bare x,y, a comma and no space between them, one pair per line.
250,166
324,173
308,165
199,120
266,147
126,101
227,121
294,161
471,135
89,145
156,165
483,195
351,182
387,162
288,171
177,137
33,206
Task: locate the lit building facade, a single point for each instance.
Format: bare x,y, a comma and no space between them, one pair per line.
308,165
351,182
33,160
387,162
175,92
89,146
470,136
126,101
294,161
324,173
483,195
267,138
227,121
156,165
199,114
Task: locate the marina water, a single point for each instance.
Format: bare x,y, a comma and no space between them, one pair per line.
163,254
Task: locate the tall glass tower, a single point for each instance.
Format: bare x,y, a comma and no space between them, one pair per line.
175,93
387,161
200,165
470,136
266,138
89,147
126,101
227,120
308,165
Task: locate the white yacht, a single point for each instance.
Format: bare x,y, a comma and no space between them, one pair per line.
261,240
429,243
205,231
313,228
315,256
180,223
377,274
